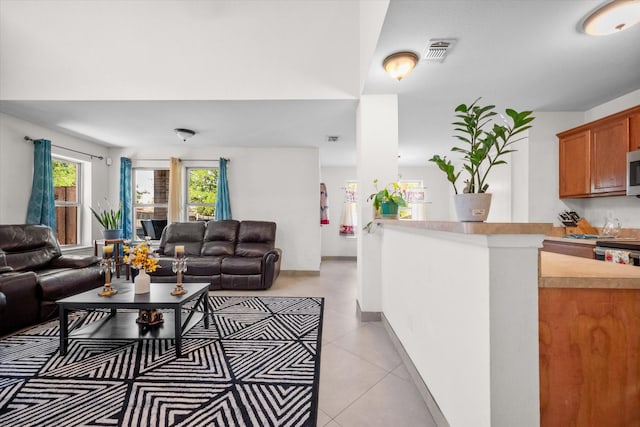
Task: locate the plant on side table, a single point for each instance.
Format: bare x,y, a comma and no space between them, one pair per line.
483,150
110,220
387,200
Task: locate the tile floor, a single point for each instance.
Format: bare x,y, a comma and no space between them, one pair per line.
363,381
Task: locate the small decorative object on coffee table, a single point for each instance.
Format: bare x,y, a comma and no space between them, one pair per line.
109,267
179,266
149,317
140,257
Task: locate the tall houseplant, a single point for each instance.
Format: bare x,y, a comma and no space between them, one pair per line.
484,145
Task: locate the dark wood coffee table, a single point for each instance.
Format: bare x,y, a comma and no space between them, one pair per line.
122,325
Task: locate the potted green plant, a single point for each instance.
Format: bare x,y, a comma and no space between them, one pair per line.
485,144
109,219
387,200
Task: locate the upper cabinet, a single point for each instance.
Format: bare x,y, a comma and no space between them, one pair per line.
634,131
593,156
575,164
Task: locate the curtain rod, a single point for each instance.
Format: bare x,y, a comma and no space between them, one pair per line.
181,159
92,156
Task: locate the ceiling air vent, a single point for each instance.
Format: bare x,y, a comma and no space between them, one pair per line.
437,50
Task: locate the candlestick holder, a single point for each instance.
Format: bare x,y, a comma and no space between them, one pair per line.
109,267
179,266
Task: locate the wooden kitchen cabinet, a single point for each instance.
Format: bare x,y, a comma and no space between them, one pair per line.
575,164
609,146
592,157
634,131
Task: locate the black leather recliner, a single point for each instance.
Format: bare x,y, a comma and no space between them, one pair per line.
34,274
228,254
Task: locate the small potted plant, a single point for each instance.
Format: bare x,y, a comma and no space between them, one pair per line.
387,200
482,150
109,219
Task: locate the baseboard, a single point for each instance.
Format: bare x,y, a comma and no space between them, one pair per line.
299,273
339,258
367,316
431,403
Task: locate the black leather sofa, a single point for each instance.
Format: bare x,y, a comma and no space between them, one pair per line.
34,274
228,254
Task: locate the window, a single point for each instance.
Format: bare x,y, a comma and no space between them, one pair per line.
151,199
202,192
413,194
68,200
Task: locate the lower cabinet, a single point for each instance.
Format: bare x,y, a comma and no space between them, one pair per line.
589,357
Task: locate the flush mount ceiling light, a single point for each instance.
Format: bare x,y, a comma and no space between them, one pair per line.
184,134
400,64
613,17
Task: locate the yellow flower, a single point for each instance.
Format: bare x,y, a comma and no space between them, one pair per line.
140,258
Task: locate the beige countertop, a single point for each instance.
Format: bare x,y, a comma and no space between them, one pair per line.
472,227
588,242
564,271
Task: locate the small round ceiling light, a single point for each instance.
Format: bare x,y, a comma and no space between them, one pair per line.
400,64
184,134
613,17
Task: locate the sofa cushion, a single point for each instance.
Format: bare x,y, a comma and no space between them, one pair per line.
255,238
28,247
220,238
203,266
187,234
196,266
241,265
59,283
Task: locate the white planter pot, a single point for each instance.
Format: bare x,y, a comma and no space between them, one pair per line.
472,207
142,282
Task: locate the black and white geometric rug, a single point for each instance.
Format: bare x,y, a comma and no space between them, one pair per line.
258,364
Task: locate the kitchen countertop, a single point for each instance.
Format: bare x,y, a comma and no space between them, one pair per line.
565,271
472,227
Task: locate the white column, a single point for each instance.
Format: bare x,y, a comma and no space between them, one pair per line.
377,158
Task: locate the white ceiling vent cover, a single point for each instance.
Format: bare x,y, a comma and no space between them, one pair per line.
438,49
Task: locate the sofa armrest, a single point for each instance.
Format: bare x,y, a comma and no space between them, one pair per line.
74,261
270,267
21,306
3,304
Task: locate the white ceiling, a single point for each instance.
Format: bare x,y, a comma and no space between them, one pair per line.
299,77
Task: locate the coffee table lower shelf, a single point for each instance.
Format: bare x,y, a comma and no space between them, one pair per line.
123,325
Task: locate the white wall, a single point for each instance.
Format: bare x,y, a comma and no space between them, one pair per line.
468,322
16,168
543,201
271,184
173,49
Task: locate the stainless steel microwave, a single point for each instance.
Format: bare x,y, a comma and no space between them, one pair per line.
633,173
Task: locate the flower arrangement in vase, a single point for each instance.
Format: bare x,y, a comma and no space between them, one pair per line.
141,258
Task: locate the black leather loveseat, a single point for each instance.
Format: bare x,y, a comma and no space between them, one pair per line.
228,254
34,274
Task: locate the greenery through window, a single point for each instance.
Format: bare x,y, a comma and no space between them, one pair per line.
66,176
202,192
